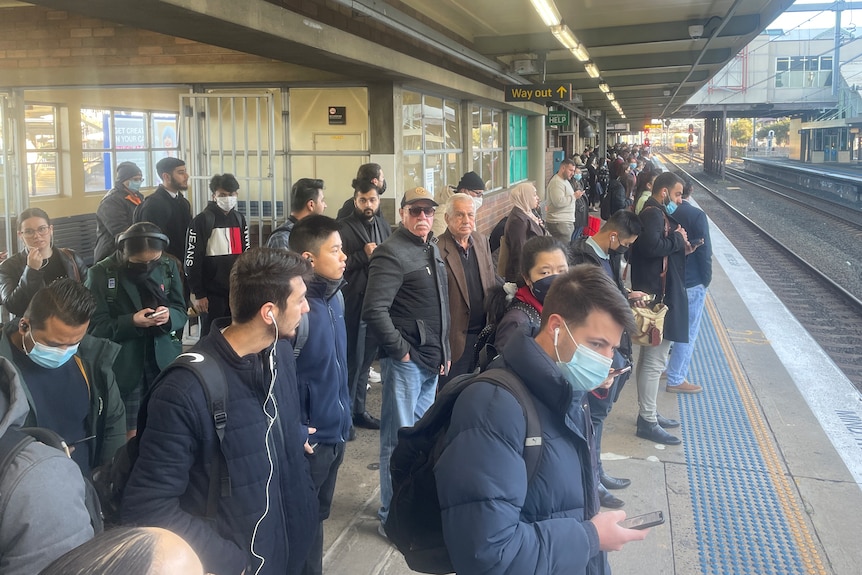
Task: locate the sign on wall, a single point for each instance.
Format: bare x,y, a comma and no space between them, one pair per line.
337,115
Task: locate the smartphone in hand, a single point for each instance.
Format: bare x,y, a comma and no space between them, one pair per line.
644,521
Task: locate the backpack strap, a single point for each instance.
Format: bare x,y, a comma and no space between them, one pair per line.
212,380
533,444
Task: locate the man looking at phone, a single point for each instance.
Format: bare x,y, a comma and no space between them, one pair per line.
698,274
495,521
605,249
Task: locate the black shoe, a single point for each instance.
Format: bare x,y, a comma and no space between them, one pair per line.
665,422
608,500
351,435
614,482
366,420
652,431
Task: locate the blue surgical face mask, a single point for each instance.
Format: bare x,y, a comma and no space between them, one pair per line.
633,166
49,357
578,177
135,184
671,208
540,288
587,369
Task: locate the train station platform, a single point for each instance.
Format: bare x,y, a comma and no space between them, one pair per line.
767,479
838,182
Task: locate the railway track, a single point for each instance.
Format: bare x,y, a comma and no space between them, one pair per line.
815,271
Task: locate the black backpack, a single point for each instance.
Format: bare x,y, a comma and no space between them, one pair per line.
485,350
17,438
110,480
414,524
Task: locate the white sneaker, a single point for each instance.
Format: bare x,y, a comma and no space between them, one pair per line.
373,375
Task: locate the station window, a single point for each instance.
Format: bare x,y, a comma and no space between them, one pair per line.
431,140
110,137
517,148
488,145
43,149
803,72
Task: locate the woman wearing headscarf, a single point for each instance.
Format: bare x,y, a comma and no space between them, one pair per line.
38,264
139,305
521,225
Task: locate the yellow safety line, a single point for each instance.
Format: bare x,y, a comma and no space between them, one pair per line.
786,495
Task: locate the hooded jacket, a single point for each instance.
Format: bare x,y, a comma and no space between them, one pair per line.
42,496
172,215
494,522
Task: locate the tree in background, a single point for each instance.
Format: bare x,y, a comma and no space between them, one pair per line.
740,131
780,127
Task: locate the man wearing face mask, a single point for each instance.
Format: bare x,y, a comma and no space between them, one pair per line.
488,506
117,209
216,237
658,267
605,249
66,374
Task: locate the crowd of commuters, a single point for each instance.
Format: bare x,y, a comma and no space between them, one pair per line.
242,481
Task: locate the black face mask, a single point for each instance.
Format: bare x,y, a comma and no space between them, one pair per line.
382,189
619,250
138,272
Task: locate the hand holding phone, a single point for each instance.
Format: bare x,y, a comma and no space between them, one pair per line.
644,521
620,371
156,313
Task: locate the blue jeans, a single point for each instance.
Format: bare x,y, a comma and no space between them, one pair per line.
408,392
680,354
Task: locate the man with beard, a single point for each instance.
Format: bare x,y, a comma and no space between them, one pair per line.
167,207
362,231
369,173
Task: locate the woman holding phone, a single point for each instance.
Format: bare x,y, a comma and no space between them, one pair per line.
140,305
37,265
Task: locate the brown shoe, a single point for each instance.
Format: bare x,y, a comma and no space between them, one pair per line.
684,387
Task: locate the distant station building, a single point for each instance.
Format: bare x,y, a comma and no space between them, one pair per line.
790,74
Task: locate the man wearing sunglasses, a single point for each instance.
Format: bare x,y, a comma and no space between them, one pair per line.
406,308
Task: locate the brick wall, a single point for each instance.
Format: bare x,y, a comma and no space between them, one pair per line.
32,37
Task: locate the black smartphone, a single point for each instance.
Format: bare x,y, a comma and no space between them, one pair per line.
620,371
644,521
699,242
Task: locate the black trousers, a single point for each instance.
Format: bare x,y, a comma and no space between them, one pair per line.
219,306
361,352
324,463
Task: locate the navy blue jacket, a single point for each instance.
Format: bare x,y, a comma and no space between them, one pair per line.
698,264
168,485
494,523
321,368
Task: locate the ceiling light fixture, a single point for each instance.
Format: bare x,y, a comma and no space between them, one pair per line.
592,69
611,97
603,86
547,12
581,53
565,35
666,93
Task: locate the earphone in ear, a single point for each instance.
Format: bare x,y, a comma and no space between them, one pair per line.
269,313
556,335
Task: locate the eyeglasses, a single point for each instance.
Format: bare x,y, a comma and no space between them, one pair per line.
41,230
416,210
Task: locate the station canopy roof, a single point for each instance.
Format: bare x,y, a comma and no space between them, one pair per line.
652,55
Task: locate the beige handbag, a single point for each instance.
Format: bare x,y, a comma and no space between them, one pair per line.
650,324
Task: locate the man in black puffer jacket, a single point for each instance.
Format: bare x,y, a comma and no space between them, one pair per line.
406,308
266,524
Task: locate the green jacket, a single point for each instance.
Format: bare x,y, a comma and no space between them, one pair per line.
117,300
107,418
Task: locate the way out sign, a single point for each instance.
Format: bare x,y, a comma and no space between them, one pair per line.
561,92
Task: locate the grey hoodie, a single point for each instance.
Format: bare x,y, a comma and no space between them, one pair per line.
42,511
